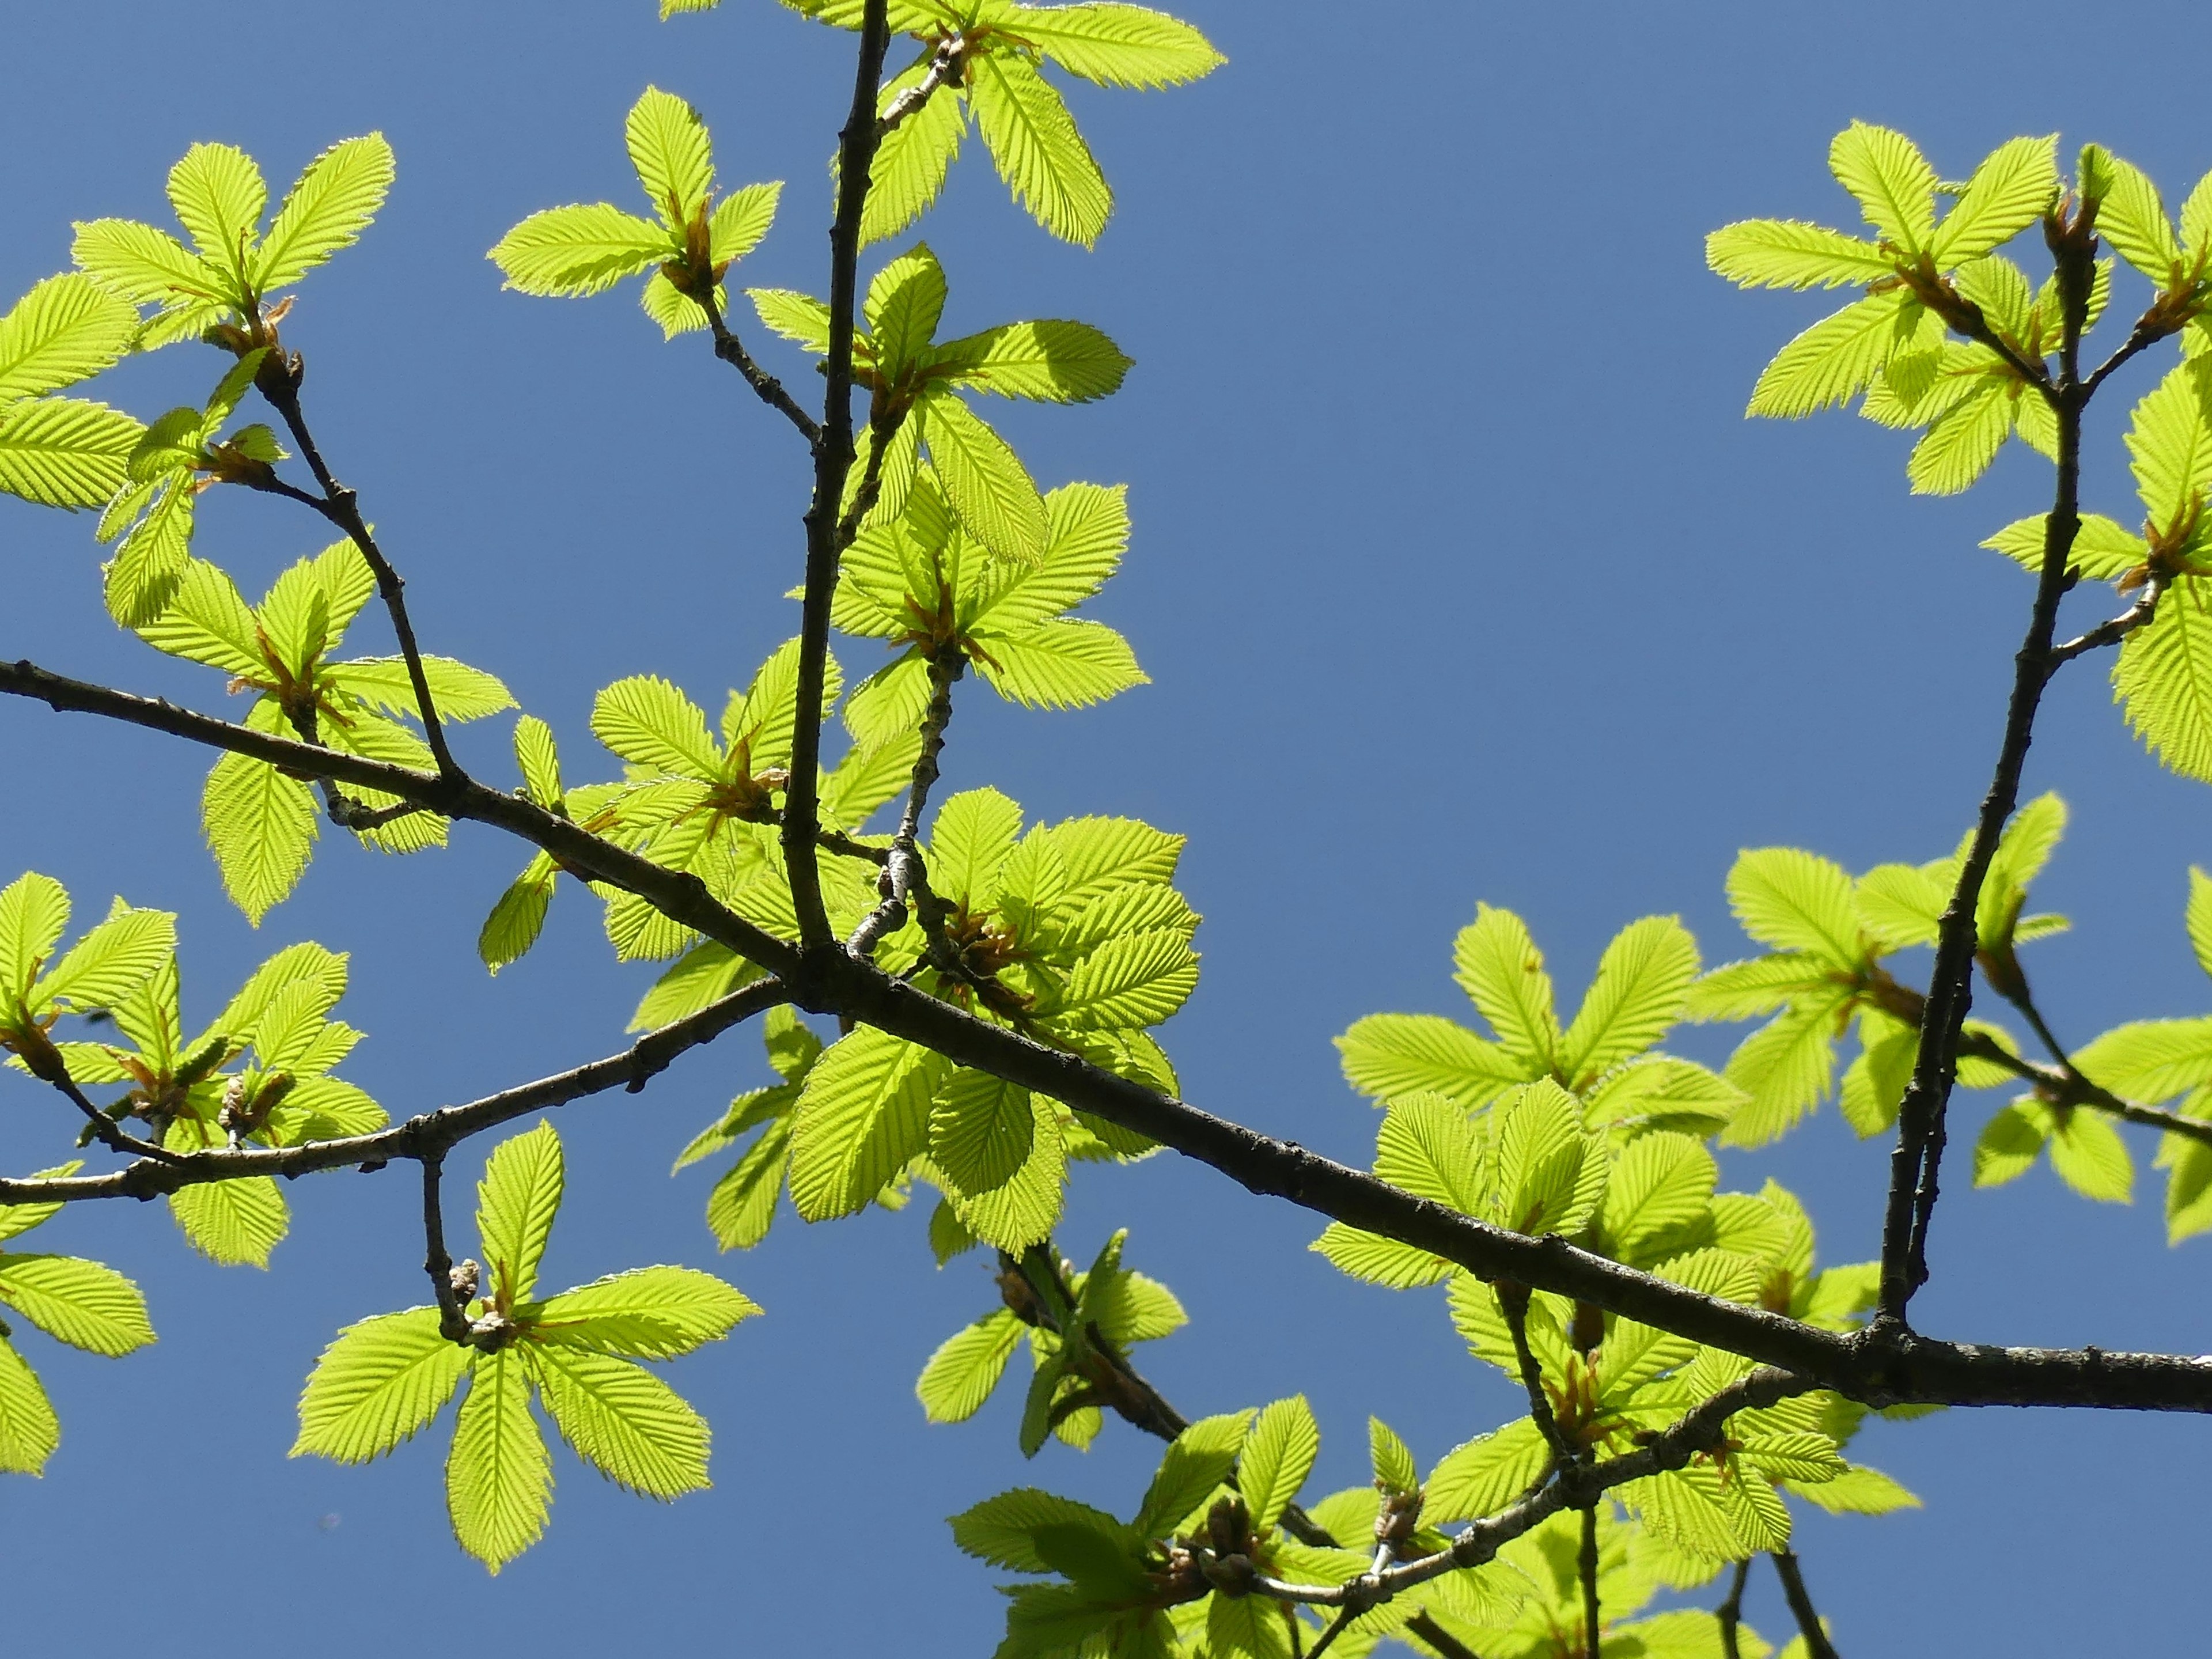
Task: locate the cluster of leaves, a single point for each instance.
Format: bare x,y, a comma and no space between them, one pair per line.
63,452
382,1380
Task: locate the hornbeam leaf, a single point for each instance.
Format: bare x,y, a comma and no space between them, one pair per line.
1038,152
1790,254
86,1304
1893,181
1498,966
669,149
2164,680
66,329
238,1222
966,1367
585,249
110,962
622,1420
1833,360
499,1480
1279,1455
1486,1474
863,1114
910,163
646,1313
650,722
261,826
2008,192
1067,662
34,911
516,1202
1642,985
1796,901
327,209
2129,215
2170,447
218,195
377,1385
29,1431
1120,46
1049,361
65,452
1389,1056
743,1203
1963,440
739,220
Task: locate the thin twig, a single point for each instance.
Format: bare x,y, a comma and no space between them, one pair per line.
1586,1568
1513,1302
2117,628
946,66
339,506
1730,1612
105,1129
904,865
732,351
1817,1645
452,1318
833,460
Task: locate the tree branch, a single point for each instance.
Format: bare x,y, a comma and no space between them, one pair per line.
424,1138
732,351
1817,1645
2118,628
904,866
946,66
833,461
279,383
1730,1612
452,1316
1586,1567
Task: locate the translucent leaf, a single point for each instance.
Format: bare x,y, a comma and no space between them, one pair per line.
1067,663
110,962
674,158
1794,901
1662,1184
1198,1459
1050,362
2163,679
1427,1145
622,1420
1374,1259
646,1313
903,303
650,723
218,194
1389,1056
796,317
1137,980
585,249
1279,1455
333,201
2009,192
2009,1144
973,835
1036,149
1785,1067
966,1367
29,1431
863,1114
1641,983
1002,1530
1790,254
86,1304
742,1205
1120,46
2088,1155
2170,447
910,163
984,480
376,1384
233,1222
1497,965
261,826
1963,441
145,265
1858,1491
499,1479
739,220
2129,215
516,1202
1893,181
65,452
1485,1474
980,1131
34,912
66,329
1833,360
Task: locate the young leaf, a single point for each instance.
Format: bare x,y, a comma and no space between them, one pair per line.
1038,152
84,1303
622,1420
327,209
29,1431
499,1479
1278,1454
377,1385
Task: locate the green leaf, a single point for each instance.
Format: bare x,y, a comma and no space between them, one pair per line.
2164,680
1661,1185
2088,1155
1790,254
1963,441
261,826
2151,1060
1048,361
910,163
1120,45
1833,360
34,912
376,1384
1394,1464
1550,1174
1873,1084
739,220
1068,663
980,1131
29,1431
1487,1473
649,722
516,919
1858,1491
742,1205
2008,192
1497,965
2129,215
218,195
1279,1455
1137,980
968,846
66,329
1036,149
586,249
499,1479
234,1222
1003,1530
904,304
516,1202
1198,1459
863,1115
1794,901
1893,181
622,1420
1642,982
966,1367
984,480
796,317
646,1313
674,311
150,560
2009,1144
1785,1066
674,158
111,960
327,209
86,1304
2170,447
1389,1056
63,452
1374,1259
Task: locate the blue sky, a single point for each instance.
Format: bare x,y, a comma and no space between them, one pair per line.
1458,576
